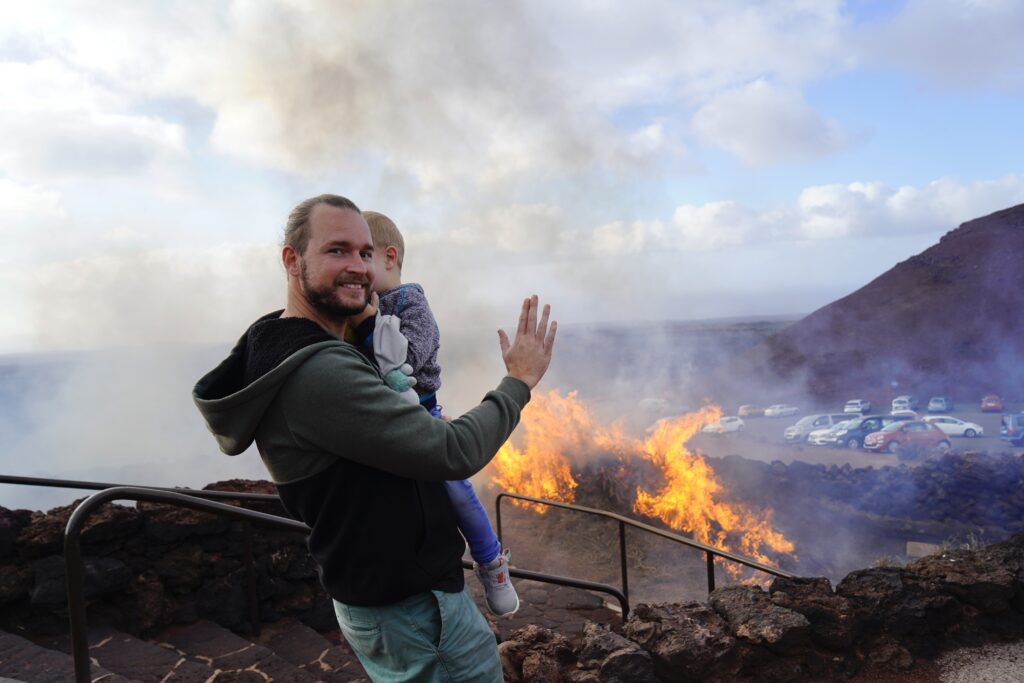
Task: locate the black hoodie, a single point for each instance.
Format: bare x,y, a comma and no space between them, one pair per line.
360,466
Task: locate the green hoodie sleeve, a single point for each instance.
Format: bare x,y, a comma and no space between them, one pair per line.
336,403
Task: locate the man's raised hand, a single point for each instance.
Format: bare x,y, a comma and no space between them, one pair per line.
528,355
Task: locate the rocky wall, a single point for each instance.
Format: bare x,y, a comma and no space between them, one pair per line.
964,490
797,630
153,565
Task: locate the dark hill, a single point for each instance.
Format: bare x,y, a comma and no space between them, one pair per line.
949,320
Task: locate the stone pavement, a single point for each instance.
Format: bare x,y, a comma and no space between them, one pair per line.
286,652
558,608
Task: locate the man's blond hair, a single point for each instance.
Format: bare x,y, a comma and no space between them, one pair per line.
385,234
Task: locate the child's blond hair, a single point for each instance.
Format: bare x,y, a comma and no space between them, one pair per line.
385,233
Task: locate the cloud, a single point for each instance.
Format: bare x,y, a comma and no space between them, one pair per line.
822,212
865,209
59,124
537,228
615,55
19,202
158,296
449,91
968,44
762,124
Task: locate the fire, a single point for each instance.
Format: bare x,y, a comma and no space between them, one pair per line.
553,425
687,500
558,428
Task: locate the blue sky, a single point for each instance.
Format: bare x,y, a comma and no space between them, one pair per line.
650,161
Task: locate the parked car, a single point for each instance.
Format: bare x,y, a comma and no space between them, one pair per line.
857,405
852,436
725,424
828,436
899,435
940,404
992,404
954,426
750,411
1012,429
781,410
905,402
807,424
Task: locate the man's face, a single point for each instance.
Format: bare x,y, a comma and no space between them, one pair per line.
336,270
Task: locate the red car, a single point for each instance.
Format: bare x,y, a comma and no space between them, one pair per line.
897,435
991,404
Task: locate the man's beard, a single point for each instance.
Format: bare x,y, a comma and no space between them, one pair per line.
324,299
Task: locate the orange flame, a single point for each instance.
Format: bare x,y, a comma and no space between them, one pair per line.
557,428
686,501
553,425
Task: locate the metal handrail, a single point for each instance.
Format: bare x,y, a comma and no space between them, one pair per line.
710,551
73,567
100,486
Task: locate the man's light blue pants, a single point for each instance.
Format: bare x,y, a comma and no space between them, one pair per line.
432,636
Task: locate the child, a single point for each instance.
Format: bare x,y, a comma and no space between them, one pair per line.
417,325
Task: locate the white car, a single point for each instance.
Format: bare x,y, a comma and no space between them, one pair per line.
724,425
781,410
857,405
955,427
904,403
809,423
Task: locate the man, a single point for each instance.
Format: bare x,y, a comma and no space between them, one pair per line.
360,465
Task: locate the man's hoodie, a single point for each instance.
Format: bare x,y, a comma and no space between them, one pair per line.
360,466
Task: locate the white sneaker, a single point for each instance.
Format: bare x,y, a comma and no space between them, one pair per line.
501,596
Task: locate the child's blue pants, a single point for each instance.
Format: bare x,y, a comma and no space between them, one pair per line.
473,522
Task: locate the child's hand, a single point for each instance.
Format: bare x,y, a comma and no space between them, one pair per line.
400,379
527,357
368,312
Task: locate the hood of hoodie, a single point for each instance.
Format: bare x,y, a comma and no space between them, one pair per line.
234,396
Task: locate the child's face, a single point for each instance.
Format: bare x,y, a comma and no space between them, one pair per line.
386,267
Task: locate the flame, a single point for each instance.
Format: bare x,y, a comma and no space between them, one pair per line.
559,427
687,500
554,425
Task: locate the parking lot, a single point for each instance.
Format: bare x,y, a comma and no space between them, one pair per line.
761,439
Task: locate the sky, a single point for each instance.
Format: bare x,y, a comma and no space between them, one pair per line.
651,160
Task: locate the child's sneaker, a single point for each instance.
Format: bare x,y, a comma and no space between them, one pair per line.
501,596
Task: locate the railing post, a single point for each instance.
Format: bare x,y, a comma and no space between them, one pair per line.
711,570
622,562
73,569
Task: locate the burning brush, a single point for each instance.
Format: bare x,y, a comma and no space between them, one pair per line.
567,452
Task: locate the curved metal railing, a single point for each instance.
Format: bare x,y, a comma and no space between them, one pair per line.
710,552
204,501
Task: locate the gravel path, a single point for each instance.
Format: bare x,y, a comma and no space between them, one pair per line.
997,663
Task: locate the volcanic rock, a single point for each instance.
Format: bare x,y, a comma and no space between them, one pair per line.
831,617
753,617
894,603
101,576
977,578
44,534
534,654
688,641
11,524
617,659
